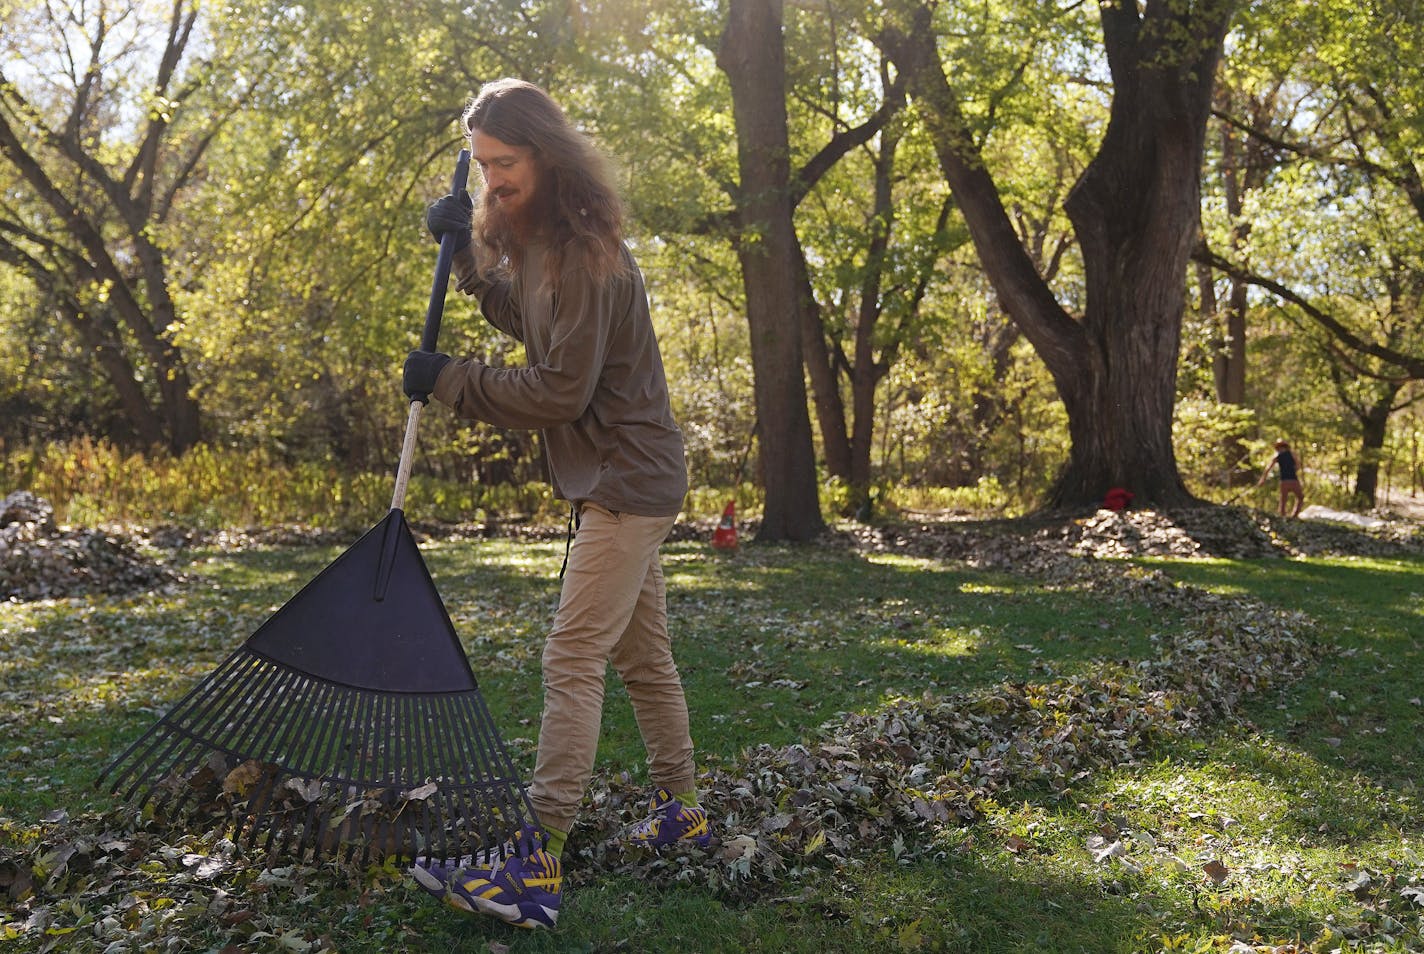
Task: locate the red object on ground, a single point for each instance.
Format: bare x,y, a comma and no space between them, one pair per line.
1117,499
725,536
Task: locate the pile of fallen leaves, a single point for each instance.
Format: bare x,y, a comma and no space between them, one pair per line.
1046,544
39,560
895,778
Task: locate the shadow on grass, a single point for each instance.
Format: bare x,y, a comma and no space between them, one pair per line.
953,903
1359,709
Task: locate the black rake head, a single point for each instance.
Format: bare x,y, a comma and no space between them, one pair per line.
348,725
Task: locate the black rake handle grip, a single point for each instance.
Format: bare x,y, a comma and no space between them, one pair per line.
428,339
436,309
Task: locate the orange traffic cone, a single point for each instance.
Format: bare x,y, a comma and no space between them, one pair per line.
725,536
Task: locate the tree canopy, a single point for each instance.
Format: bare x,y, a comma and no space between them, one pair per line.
1033,251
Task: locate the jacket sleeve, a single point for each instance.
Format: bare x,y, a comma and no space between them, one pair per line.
553,391
497,301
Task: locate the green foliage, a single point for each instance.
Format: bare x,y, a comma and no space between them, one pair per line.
1206,432
92,483
986,498
299,267
1322,204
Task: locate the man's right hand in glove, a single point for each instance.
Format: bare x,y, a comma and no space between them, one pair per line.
450,214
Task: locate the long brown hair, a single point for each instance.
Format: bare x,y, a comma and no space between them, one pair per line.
578,210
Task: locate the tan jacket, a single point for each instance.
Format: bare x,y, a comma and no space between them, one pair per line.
594,383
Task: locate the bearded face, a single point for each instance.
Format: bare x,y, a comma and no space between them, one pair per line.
511,175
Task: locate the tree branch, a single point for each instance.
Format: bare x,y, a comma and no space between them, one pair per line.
804,179
1413,365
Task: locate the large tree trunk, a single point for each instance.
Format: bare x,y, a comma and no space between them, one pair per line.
753,57
1135,213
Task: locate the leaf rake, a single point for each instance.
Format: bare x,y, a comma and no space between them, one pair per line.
350,723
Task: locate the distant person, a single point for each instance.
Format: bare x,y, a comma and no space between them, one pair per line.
1288,464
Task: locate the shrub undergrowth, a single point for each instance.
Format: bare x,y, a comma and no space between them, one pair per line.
92,482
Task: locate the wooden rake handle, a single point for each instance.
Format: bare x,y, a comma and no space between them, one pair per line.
428,338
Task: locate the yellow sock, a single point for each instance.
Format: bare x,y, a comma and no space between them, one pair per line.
688,799
557,838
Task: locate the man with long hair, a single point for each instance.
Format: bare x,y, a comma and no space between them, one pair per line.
543,251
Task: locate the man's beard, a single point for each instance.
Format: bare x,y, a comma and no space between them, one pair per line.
519,224
496,220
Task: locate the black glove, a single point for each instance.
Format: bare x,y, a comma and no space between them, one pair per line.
451,214
421,370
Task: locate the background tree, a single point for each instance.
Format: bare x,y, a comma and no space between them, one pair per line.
1134,212
1239,166
105,121
752,55
1337,236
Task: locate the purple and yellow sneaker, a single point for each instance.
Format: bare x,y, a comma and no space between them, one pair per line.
671,822
525,843
522,891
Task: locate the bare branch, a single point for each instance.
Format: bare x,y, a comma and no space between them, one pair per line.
1412,365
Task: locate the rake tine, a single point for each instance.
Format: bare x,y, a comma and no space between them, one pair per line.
312,698
272,701
181,757
316,750
408,713
487,818
253,819
374,749
257,817
268,735
160,745
457,813
356,724
481,817
351,757
302,694
433,812
259,682
407,835
411,716
309,835
485,821
307,755
388,751
397,711
448,804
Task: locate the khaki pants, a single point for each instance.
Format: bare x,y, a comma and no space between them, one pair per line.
613,608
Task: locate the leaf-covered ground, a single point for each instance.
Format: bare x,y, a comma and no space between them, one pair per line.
935,737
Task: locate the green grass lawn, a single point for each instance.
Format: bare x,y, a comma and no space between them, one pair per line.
1295,821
